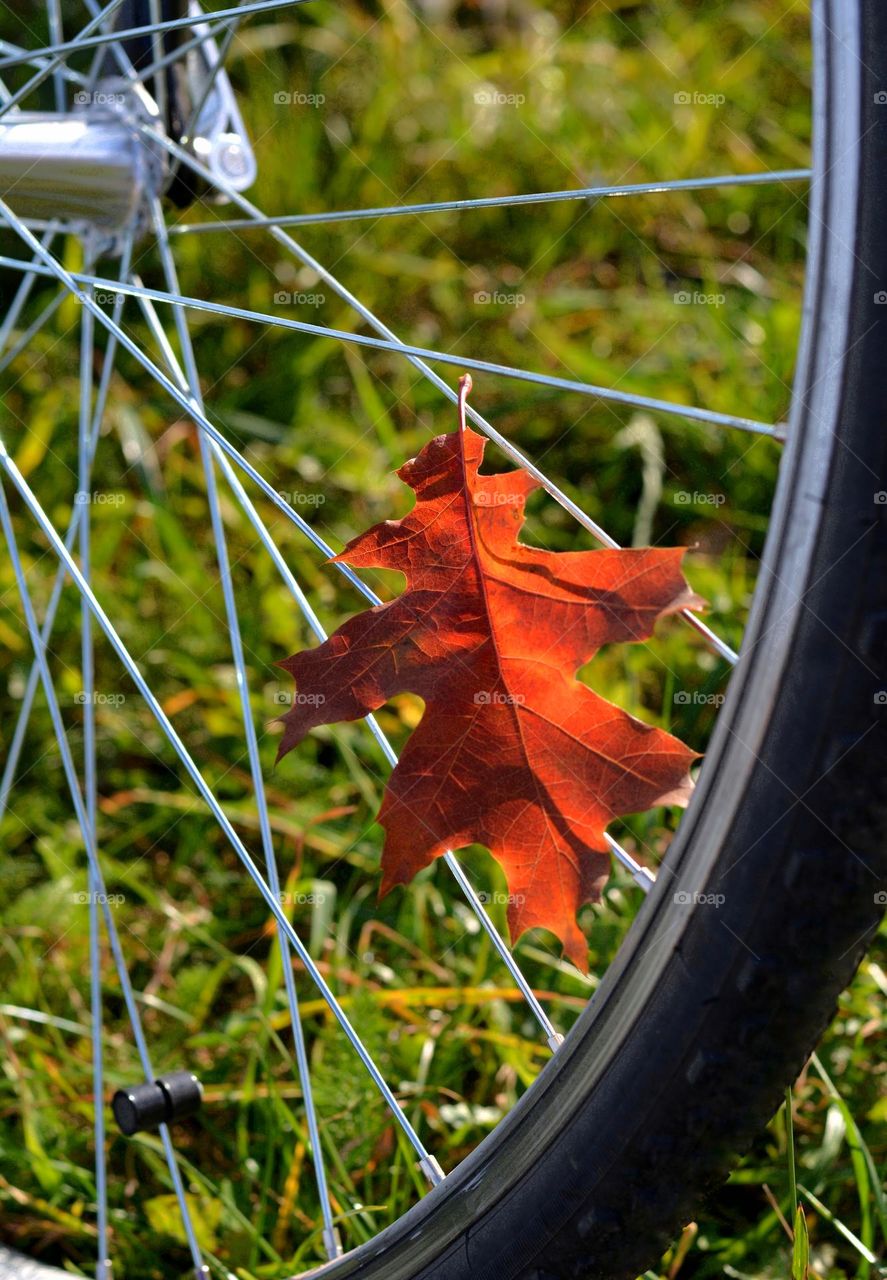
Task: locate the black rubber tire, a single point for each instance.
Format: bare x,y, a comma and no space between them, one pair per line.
709,1011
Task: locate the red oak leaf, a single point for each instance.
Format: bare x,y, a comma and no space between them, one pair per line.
512,752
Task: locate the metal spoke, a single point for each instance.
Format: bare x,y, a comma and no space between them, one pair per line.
493,202
444,357
208,449
33,329
95,869
6,46
78,514
643,878
159,94
22,293
57,35
483,366
427,1162
308,260
90,788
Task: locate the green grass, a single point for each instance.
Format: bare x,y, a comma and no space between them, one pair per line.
597,283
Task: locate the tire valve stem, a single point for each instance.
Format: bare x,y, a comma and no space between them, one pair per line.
156,1102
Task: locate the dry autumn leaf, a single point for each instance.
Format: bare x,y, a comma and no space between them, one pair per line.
512,752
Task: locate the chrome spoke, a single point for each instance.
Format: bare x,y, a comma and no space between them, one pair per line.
22,293
427,1162
643,878
444,357
18,737
159,86
493,202
33,329
91,850
90,788
57,35
208,449
66,73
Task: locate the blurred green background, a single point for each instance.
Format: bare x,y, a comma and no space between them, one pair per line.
360,105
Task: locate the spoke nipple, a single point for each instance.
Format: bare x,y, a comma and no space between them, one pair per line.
555,1040
332,1242
432,1170
160,1101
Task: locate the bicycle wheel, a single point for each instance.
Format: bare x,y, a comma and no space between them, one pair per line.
705,1015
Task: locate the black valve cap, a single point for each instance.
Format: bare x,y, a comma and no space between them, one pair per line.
168,1098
